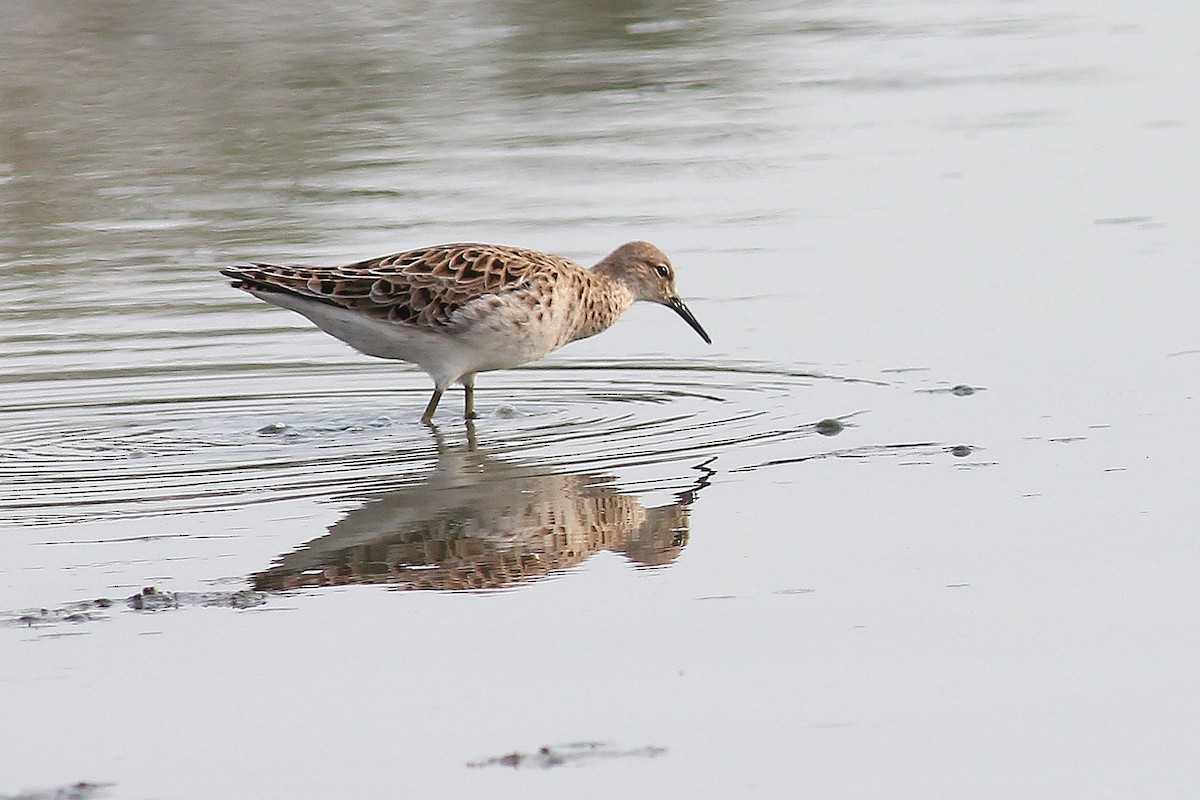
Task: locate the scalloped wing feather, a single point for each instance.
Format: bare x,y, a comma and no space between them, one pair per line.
418,287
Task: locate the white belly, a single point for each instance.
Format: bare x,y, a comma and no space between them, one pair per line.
480,340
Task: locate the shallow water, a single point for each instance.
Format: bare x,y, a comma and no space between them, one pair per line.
919,522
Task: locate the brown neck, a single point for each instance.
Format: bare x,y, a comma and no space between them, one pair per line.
604,300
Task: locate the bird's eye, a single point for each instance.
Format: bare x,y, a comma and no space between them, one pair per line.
663,270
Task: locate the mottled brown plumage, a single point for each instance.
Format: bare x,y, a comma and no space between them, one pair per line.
459,309
416,287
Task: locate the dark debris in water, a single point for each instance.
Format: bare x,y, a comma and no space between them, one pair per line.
148,599
561,755
83,790
829,427
958,390
832,426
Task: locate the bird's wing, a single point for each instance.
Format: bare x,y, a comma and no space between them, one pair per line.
418,287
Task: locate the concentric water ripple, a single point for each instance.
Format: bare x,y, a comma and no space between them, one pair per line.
112,445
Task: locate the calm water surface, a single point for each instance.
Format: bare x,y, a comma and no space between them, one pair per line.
920,522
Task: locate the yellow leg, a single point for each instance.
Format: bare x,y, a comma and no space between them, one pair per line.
469,391
427,417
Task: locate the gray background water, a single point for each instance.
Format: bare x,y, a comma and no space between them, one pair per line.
868,204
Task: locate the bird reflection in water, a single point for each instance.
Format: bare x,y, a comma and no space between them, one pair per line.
480,522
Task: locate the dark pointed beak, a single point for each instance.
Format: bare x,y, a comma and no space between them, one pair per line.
679,308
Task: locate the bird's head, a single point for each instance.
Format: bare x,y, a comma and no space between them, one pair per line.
647,273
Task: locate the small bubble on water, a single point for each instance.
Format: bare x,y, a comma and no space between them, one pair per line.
960,450
506,411
273,429
962,390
